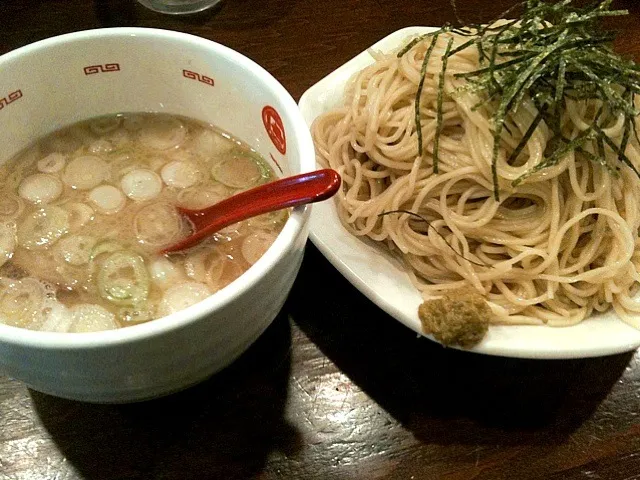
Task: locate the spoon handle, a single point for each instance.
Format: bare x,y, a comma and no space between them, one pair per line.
284,193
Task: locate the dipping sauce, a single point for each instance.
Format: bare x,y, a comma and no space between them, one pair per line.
85,211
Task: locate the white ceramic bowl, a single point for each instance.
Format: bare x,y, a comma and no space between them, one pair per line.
62,80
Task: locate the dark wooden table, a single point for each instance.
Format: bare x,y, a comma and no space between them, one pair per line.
335,389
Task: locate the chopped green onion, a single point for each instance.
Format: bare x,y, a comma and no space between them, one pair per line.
43,227
123,278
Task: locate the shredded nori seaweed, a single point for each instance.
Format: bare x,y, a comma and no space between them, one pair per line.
436,141
423,71
553,52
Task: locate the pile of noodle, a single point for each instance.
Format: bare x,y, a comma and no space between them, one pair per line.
554,249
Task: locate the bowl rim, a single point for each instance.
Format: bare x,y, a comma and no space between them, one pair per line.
294,226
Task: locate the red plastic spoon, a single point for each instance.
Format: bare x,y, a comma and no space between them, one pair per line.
284,193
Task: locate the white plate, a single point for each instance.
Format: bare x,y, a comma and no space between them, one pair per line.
378,275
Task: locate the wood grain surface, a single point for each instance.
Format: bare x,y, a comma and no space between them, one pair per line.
335,389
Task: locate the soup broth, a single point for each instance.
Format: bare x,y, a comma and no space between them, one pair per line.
85,211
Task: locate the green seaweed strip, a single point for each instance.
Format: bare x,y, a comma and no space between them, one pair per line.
497,134
494,68
509,96
419,38
506,127
481,53
635,126
436,140
526,137
494,53
464,31
554,53
599,159
423,74
463,46
527,77
611,96
413,43
621,155
600,144
559,94
557,155
625,135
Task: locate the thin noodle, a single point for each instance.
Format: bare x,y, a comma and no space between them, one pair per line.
556,248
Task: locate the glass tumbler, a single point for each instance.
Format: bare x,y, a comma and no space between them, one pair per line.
178,7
